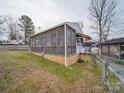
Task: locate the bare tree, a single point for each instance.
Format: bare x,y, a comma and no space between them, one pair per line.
81,25
12,25
103,15
1,20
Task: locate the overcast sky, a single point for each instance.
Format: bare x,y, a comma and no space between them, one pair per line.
46,13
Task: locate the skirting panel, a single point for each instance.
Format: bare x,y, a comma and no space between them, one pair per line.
72,59
55,58
59,59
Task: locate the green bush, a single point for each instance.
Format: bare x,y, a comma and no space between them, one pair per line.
80,60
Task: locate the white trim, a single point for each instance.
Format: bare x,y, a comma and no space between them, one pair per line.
65,44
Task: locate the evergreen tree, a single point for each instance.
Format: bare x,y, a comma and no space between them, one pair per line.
27,26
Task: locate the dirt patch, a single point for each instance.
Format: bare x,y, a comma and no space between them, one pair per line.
40,81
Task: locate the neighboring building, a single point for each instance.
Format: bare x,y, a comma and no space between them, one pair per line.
4,37
86,44
61,43
87,47
113,48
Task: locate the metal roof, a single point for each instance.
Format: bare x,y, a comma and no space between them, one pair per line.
74,25
53,27
83,35
114,41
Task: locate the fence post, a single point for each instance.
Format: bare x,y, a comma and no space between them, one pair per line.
105,75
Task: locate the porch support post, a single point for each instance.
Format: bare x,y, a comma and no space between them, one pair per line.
65,44
35,43
108,50
119,51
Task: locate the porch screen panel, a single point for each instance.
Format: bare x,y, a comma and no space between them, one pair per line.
53,42
37,48
60,36
42,40
71,41
33,44
60,41
50,42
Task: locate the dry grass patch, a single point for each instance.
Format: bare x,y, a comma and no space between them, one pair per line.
22,72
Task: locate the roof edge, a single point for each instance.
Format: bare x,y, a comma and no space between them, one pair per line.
45,30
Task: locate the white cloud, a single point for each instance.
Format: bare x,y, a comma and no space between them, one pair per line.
49,12
44,12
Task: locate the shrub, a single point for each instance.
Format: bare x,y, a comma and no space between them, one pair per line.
80,60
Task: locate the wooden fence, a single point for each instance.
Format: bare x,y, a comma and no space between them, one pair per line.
15,47
113,77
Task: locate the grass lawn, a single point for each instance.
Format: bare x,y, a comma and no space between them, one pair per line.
112,79
22,72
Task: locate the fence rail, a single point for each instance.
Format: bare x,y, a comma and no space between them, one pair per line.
14,47
112,74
